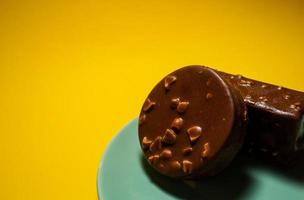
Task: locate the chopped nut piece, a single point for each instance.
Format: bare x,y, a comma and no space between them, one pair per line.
209,96
169,137
156,144
146,143
177,123
187,166
176,165
148,105
174,102
205,151
142,119
166,154
182,106
169,81
194,133
153,159
187,150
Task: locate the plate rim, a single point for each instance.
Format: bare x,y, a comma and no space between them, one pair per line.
106,151
132,122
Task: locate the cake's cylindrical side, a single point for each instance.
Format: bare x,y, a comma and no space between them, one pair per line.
235,141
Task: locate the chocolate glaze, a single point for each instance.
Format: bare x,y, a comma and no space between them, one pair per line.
275,117
194,123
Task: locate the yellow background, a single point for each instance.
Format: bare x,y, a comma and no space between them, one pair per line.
73,73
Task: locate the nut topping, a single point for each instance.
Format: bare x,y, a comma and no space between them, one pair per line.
169,137
209,95
169,81
176,165
142,119
156,144
194,133
187,166
153,159
174,103
182,106
205,151
165,154
148,105
146,143
177,123
187,150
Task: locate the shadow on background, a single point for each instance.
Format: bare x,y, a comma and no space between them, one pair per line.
231,184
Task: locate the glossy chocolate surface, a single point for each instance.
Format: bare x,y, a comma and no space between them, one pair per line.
192,123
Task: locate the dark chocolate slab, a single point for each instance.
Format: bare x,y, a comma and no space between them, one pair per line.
272,98
275,116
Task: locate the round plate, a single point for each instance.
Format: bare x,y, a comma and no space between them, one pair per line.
125,174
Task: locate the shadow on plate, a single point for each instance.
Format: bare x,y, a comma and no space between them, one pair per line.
294,171
231,184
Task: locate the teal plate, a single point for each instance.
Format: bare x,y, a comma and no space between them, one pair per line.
125,175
